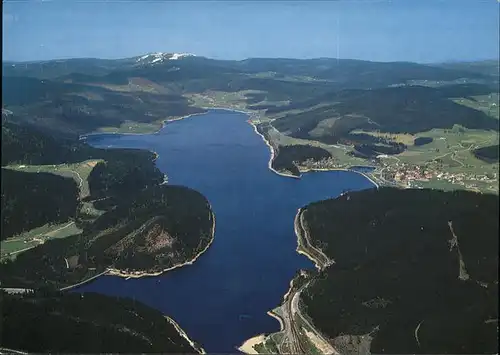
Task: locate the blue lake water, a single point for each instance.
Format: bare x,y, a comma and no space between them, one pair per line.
222,299
362,169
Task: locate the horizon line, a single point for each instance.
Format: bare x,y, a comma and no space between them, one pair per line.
449,61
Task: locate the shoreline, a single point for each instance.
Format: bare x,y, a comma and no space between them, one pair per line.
312,170
66,288
183,334
248,113
247,346
120,273
123,274
167,120
301,249
290,288
271,148
163,123
297,225
302,170
279,319
226,109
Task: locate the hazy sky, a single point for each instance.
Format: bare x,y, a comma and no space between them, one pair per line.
409,30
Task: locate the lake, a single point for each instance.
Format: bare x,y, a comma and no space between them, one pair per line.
222,299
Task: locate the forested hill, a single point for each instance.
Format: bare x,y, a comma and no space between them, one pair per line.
30,200
85,324
417,270
143,232
488,154
144,227
22,144
122,218
356,111
27,144
128,220
81,95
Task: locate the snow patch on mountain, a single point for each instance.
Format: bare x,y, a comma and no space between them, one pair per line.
180,55
160,57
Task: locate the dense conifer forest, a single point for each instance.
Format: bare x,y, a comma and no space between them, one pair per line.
161,227
415,269
289,156
143,226
488,154
30,200
45,321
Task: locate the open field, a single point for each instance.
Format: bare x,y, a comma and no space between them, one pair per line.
230,100
404,138
234,100
341,159
449,186
448,158
448,161
450,151
295,111
78,171
133,127
339,152
272,75
134,85
450,141
11,247
486,103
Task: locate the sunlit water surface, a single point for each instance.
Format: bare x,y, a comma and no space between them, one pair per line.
222,299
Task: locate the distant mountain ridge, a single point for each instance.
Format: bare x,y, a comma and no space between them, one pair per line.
255,64
326,100
46,105
160,57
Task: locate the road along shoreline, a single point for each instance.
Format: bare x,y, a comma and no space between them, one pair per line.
183,334
273,153
304,245
320,261
301,236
